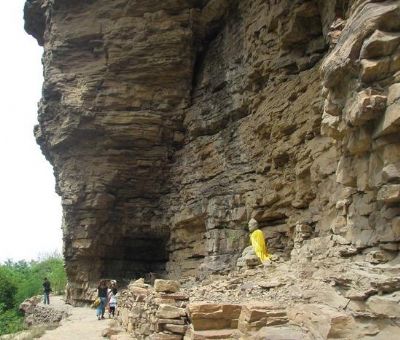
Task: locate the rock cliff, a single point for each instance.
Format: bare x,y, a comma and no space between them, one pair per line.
169,124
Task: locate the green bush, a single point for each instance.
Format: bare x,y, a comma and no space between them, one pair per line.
11,321
7,290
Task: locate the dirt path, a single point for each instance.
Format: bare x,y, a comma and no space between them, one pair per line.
82,323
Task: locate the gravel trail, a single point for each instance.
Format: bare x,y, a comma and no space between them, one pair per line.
81,324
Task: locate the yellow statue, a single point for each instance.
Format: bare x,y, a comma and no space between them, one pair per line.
258,241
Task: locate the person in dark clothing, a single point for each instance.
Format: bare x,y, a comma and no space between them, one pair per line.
46,291
102,295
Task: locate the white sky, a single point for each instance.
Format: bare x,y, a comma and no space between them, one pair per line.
30,210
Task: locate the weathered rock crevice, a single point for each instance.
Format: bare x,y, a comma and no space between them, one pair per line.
170,124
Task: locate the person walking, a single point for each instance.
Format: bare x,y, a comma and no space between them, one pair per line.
112,299
102,295
46,291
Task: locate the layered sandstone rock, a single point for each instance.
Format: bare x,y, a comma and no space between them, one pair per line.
170,123
361,78
117,78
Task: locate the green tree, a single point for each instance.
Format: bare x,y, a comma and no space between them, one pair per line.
29,276
10,320
7,290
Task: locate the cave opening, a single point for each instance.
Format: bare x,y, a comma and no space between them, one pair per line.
135,256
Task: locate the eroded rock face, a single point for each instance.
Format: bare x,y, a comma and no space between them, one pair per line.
361,78
170,123
117,78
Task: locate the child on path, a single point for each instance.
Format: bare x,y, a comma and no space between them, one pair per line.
112,299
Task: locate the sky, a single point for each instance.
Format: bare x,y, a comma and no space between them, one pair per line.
30,210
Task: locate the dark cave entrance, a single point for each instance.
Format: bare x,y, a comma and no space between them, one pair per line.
135,256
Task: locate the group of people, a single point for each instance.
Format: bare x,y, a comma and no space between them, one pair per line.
107,296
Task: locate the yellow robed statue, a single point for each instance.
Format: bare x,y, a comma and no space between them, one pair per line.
258,241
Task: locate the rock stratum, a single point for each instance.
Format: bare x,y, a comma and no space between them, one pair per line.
169,124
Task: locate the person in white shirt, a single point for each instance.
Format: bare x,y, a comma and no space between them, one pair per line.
112,299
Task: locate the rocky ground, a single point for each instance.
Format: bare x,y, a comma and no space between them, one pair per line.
320,293
81,323
37,313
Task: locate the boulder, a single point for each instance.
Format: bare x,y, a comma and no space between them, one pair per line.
391,173
374,69
322,321
385,305
380,44
389,193
167,286
170,312
364,106
390,121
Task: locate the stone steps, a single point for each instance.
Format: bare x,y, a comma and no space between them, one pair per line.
221,321
213,316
